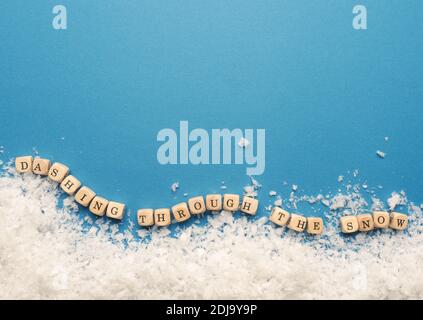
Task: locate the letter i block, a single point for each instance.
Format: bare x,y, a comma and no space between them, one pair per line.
180,212
315,225
381,219
98,206
162,217
365,222
214,202
349,224
145,217
23,164
279,216
84,196
58,172
230,202
399,221
70,184
249,205
197,205
41,166
115,210
297,223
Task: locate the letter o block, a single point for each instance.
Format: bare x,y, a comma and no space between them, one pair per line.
197,205
349,224
98,206
162,217
315,225
381,219
58,172
70,184
297,223
84,196
231,202
365,222
145,217
214,202
399,221
23,164
41,166
115,210
249,205
180,212
279,216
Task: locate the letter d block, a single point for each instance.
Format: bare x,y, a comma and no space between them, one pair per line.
279,216
58,172
70,184
162,217
349,224
145,217
197,205
381,219
180,212
98,206
399,221
297,223
115,210
23,164
230,202
41,166
249,205
315,225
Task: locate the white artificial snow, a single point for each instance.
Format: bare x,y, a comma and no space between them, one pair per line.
340,178
278,202
174,186
381,154
243,143
48,252
294,187
272,193
396,199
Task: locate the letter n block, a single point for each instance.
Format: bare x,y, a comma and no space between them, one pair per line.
365,222
297,223
98,206
23,164
180,212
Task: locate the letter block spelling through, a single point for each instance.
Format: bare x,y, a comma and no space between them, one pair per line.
249,205
197,205
180,212
162,217
230,202
214,202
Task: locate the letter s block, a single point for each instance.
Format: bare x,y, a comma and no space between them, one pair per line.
349,224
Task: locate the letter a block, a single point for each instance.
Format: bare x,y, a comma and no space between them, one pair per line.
197,205
249,205
349,224
365,222
279,216
98,206
399,221
23,164
162,217
145,217
180,212
297,223
381,219
58,172
230,202
314,225
41,166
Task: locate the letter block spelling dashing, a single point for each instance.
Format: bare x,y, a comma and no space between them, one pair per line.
41,166
84,196
23,164
58,172
115,210
98,206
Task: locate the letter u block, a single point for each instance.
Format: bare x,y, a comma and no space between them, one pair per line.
297,223
214,202
180,212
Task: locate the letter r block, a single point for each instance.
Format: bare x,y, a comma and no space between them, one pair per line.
180,212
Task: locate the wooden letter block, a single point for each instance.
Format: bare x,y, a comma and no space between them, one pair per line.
115,210
58,172
23,164
381,219
180,212
214,202
297,223
249,205
98,206
365,222
315,225
41,166
349,224
84,196
145,217
231,202
197,205
279,216
70,184
399,221
162,217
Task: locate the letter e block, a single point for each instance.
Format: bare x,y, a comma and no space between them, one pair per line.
315,225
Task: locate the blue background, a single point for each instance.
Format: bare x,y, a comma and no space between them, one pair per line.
326,94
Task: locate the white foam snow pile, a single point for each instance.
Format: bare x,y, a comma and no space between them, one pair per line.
44,253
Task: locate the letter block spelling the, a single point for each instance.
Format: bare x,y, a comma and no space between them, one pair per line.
315,225
279,216
214,202
297,223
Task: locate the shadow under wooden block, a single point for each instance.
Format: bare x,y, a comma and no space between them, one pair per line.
98,206
145,217
115,210
297,223
197,205
58,172
84,196
315,225
365,222
349,224
381,219
249,205
23,164
231,202
162,217
41,166
399,221
70,184
180,212
279,216
214,202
